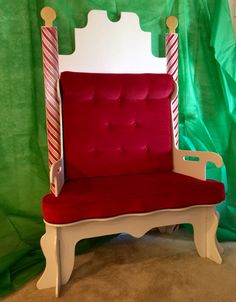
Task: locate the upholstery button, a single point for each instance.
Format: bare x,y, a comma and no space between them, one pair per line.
108,125
134,123
94,151
121,149
147,148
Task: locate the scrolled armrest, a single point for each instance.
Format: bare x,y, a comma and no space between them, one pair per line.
203,156
195,168
57,176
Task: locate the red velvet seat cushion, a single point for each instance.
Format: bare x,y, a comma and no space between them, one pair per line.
116,124
103,197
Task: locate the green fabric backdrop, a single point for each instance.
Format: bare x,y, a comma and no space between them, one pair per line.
207,109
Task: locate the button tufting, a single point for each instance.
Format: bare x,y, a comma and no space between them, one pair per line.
134,124
108,125
94,151
121,149
147,148
120,100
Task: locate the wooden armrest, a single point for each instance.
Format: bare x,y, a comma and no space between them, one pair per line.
57,176
55,169
202,156
195,167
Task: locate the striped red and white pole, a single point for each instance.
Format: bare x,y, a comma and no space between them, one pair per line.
51,75
172,69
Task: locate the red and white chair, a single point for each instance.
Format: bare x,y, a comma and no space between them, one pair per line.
114,164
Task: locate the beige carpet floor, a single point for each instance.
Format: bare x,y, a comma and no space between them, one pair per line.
155,268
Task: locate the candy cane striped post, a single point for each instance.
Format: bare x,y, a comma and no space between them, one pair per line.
172,69
51,75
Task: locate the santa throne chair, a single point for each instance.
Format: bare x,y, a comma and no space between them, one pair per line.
115,166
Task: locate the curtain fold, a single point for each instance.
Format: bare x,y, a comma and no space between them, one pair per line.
207,80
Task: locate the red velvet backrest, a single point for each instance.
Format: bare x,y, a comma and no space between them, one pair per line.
116,123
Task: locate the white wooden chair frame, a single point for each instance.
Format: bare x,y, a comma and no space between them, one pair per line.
59,241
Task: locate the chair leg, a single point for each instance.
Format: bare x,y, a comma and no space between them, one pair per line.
58,249
50,247
205,226
67,253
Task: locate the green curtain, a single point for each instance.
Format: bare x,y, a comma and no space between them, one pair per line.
207,77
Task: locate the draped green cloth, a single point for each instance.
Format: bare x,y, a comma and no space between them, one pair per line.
207,79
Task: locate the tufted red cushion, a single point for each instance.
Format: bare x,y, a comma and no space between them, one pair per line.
110,196
116,123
